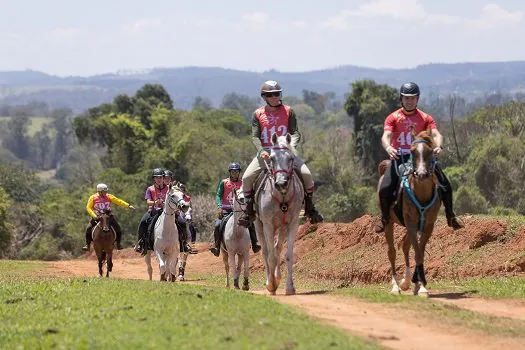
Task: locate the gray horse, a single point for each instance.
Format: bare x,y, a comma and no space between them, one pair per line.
236,244
279,200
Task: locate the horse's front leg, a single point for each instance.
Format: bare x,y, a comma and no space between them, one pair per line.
234,269
147,259
100,263
246,262
405,282
259,230
418,278
423,240
270,257
282,232
290,288
226,267
162,263
109,263
389,235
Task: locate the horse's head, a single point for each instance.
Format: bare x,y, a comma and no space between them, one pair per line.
240,200
175,200
423,155
282,161
104,219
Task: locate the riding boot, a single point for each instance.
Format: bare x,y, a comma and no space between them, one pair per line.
452,220
309,209
89,238
253,237
249,214
216,249
384,205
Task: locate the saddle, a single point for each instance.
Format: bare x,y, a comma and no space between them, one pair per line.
261,179
222,225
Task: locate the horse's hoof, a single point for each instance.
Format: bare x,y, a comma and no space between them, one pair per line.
246,287
395,291
290,291
423,294
181,278
405,284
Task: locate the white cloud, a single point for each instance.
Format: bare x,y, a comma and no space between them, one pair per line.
256,17
144,24
491,15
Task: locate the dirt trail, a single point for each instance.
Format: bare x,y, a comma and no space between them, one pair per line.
393,328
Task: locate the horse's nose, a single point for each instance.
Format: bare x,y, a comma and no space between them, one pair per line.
422,173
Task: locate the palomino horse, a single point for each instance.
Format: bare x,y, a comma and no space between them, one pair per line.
236,244
279,199
166,245
420,202
103,241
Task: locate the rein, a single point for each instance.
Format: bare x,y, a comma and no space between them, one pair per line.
283,205
406,186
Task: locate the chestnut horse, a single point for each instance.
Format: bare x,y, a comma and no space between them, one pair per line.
103,241
419,202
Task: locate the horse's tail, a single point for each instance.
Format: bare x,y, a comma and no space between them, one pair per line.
383,166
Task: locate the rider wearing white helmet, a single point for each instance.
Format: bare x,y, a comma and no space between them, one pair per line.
97,203
279,118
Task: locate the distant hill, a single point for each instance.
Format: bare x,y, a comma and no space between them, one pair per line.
184,84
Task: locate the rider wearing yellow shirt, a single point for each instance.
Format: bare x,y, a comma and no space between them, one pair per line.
97,203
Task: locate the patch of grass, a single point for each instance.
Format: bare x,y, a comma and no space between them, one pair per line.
493,287
112,313
437,311
17,267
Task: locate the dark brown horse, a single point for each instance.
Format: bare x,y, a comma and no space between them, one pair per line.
419,203
103,241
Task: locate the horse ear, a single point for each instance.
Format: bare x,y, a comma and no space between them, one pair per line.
274,138
288,138
413,131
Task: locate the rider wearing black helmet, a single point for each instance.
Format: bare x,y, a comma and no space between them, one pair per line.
397,140
224,200
155,195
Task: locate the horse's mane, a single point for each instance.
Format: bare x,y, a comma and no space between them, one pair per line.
426,136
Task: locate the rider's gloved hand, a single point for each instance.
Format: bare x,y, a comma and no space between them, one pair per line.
219,213
265,155
131,207
438,151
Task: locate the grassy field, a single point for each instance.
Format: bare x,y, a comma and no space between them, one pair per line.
37,123
46,312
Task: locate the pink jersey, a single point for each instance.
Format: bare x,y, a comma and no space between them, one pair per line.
153,193
227,194
271,122
401,125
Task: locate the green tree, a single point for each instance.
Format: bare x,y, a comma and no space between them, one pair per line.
368,104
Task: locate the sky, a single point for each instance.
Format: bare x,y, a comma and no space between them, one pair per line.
64,37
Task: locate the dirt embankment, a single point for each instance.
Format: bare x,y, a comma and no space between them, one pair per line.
354,252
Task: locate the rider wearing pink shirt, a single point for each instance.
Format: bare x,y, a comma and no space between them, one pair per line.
397,141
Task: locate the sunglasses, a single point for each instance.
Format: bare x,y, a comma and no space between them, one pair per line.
272,94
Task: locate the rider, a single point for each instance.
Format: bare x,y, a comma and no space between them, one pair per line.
224,199
96,204
193,231
397,138
280,118
155,195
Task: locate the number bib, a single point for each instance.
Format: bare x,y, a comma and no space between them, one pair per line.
227,194
272,122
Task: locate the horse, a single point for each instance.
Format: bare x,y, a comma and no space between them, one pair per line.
103,241
166,236
419,203
279,199
236,243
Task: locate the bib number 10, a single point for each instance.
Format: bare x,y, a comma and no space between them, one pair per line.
267,133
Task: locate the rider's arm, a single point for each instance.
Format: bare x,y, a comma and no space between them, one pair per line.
118,201
386,139
438,138
256,134
149,198
293,129
218,195
89,207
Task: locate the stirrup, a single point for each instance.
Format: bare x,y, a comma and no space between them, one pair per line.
380,225
315,217
215,251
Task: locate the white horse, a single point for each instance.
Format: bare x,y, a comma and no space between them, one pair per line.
236,244
279,202
166,245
